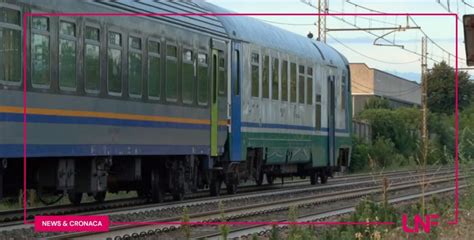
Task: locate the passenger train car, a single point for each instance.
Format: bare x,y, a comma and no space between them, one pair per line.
164,104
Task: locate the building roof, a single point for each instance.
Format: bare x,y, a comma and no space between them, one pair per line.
378,70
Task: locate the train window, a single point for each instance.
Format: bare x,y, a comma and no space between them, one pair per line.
172,51
67,55
40,23
309,86
154,67
343,92
203,80
318,111
301,80
265,78
284,81
10,16
154,47
92,60
255,62
10,46
236,59
222,78
135,43
67,28
293,76
115,39
40,52
92,34
114,69
135,66
171,73
202,58
275,65
188,77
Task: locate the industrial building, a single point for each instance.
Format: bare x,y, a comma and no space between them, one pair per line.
368,82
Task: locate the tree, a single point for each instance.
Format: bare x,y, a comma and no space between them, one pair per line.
396,125
377,103
441,89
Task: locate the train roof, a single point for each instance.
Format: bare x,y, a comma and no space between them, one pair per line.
208,24
252,30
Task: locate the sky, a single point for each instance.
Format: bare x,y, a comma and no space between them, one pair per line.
358,46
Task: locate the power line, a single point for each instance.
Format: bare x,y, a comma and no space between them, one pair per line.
411,18
369,57
373,34
467,4
289,24
371,19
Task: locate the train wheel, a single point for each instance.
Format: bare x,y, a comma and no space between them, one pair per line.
259,180
156,191
215,185
270,179
313,178
100,196
215,188
324,178
231,188
141,193
75,197
232,183
179,196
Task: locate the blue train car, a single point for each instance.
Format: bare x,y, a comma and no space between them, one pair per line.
164,104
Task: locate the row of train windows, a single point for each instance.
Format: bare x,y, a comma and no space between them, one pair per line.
195,67
300,83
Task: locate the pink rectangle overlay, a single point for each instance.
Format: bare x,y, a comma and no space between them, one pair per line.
38,219
71,223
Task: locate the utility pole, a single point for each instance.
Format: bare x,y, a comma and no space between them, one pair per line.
424,127
322,9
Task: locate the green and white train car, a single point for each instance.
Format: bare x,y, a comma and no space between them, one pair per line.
293,113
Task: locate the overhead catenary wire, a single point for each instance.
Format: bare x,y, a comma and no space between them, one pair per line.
373,34
369,57
414,22
289,24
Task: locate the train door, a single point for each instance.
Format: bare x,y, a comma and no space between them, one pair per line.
236,144
214,105
218,49
331,105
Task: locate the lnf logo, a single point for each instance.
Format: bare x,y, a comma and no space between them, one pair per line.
419,220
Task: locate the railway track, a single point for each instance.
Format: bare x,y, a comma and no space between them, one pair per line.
15,217
172,212
242,214
262,229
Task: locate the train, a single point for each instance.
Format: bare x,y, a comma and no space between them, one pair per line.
163,105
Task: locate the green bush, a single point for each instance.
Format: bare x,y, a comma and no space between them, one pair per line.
377,103
400,126
383,151
360,155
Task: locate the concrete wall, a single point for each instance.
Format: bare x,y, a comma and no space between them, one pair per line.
362,78
368,81
396,88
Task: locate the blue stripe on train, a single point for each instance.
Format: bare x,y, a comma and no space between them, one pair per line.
63,150
34,118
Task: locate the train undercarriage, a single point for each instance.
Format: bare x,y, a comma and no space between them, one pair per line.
150,177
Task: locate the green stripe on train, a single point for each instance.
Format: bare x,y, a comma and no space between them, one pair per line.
284,148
